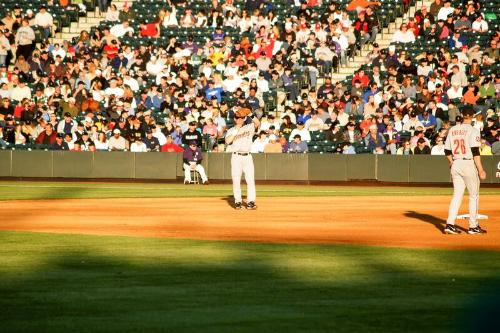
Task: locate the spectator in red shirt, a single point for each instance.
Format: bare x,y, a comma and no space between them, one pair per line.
47,137
111,50
171,147
362,78
149,29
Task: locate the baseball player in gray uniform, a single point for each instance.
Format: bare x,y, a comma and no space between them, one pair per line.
462,150
240,138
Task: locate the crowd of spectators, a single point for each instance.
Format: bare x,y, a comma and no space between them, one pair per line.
101,92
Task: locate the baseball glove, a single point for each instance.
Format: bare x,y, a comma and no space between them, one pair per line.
243,112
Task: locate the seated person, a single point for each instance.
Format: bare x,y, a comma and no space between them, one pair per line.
192,158
297,145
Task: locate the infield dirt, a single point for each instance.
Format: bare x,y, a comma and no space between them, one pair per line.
413,222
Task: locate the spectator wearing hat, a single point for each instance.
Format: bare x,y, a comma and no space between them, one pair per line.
151,142
192,134
352,134
67,124
9,129
192,158
361,30
421,148
491,135
117,142
297,145
301,131
44,19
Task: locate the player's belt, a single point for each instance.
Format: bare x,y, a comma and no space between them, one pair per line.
241,154
463,159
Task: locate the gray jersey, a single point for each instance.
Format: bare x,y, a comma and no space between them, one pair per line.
243,136
461,138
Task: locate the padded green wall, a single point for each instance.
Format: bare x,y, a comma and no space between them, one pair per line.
293,167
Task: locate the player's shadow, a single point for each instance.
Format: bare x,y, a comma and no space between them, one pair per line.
439,223
229,200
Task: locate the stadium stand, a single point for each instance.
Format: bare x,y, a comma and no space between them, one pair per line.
350,77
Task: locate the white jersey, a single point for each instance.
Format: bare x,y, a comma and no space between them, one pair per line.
243,136
461,138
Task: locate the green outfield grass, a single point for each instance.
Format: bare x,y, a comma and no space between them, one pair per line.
74,283
10,190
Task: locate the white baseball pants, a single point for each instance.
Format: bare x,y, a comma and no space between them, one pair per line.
199,168
239,164
464,175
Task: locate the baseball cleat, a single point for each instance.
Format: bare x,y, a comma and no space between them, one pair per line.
186,182
451,230
476,230
238,205
251,205
206,183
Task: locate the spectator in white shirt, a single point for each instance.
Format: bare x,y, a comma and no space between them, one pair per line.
480,25
438,149
44,19
58,51
259,143
137,146
122,29
170,19
445,11
20,92
403,35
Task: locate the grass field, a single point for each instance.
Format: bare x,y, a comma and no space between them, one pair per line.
77,283
50,190
61,283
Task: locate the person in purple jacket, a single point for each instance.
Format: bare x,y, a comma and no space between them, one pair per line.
192,158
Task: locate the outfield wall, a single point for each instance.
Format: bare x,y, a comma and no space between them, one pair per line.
275,167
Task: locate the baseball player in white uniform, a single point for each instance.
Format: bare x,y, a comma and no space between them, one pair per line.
240,138
462,150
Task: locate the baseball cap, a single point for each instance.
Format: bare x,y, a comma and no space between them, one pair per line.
193,143
60,135
116,131
300,123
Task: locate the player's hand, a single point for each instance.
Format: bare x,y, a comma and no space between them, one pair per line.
482,175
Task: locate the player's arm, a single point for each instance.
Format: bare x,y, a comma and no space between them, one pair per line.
447,150
477,161
230,136
474,141
256,121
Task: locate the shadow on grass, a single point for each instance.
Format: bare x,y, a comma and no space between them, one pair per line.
108,284
439,223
